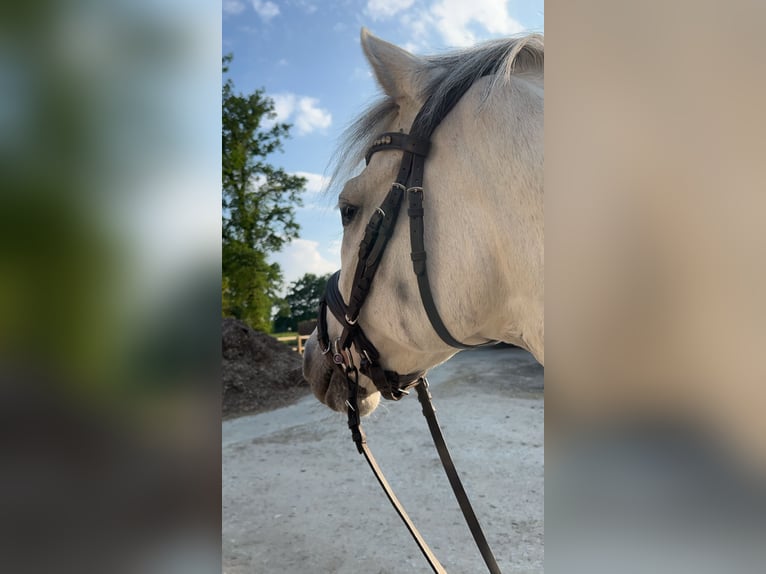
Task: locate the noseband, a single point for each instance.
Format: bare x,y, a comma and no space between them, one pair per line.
409,181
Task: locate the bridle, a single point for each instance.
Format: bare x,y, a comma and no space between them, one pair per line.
392,385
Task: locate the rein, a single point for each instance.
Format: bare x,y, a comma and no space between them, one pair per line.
415,147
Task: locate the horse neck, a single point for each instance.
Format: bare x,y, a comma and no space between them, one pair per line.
490,158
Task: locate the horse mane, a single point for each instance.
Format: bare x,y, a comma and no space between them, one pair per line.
441,73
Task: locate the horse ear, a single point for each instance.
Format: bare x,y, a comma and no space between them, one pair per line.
393,67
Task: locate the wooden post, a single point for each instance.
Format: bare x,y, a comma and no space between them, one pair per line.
301,339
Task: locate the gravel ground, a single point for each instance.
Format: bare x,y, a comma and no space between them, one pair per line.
298,498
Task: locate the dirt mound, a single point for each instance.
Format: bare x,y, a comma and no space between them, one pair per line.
259,372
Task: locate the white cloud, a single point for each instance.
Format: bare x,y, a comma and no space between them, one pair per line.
233,6
310,117
315,182
303,111
310,8
284,104
266,10
412,47
453,18
456,23
302,256
257,180
334,248
381,9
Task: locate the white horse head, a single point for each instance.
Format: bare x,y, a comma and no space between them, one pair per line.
483,201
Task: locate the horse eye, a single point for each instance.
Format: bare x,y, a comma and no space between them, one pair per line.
347,213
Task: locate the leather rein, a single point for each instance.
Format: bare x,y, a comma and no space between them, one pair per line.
415,147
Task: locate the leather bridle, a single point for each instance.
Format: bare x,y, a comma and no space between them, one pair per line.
379,229
409,181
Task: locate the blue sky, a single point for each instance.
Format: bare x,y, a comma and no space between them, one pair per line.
306,55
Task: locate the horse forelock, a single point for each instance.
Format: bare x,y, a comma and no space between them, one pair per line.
500,59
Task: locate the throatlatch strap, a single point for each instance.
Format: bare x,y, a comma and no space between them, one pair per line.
418,256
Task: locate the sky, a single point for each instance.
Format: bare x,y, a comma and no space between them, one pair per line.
306,56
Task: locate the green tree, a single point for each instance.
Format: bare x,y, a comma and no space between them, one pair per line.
301,302
258,204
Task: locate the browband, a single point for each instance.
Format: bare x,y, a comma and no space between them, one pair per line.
399,140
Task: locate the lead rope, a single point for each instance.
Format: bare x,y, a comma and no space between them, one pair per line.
361,444
424,396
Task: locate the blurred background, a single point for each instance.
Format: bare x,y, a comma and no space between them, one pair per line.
655,383
110,276
109,286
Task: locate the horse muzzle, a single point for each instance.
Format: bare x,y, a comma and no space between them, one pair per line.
327,382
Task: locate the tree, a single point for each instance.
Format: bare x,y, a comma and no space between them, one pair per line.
301,302
258,204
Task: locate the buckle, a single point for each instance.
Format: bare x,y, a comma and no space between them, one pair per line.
342,356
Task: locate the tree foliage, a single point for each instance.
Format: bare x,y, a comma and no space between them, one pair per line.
301,302
259,203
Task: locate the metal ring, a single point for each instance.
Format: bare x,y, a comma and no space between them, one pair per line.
415,189
379,210
399,185
349,321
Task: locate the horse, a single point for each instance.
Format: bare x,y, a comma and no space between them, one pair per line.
481,214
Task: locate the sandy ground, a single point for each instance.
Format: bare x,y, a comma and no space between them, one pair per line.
298,498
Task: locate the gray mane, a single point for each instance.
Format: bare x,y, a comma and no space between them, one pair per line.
500,58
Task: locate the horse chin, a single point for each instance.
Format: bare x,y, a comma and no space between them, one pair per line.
333,392
330,387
